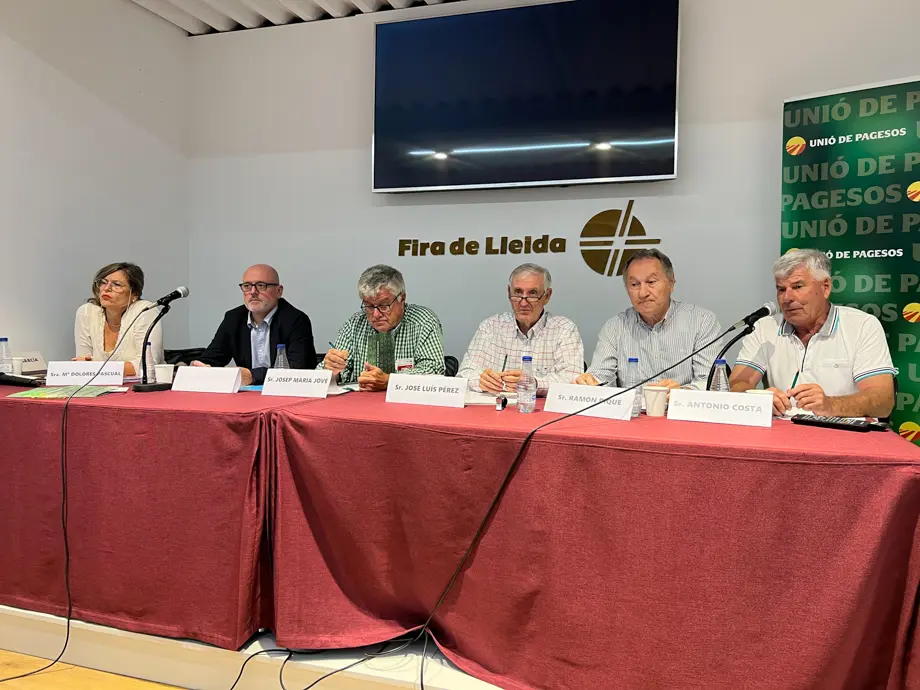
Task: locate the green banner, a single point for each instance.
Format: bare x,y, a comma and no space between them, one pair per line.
851,188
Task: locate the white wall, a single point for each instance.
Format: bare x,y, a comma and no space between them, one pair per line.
92,117
279,142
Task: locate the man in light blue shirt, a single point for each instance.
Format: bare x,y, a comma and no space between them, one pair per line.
657,330
258,338
250,334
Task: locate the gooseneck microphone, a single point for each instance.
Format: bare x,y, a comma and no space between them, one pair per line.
144,386
178,293
768,309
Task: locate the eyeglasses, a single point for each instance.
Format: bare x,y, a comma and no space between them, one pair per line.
531,299
102,284
260,286
382,308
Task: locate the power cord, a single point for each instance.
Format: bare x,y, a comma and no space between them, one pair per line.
64,506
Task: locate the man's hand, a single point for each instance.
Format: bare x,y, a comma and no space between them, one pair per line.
335,361
490,381
373,378
810,396
246,376
511,379
587,380
196,363
781,402
670,384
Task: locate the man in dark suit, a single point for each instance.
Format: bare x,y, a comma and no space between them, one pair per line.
250,334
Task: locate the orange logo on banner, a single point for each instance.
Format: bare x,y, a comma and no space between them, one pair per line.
909,431
795,146
610,238
913,192
912,312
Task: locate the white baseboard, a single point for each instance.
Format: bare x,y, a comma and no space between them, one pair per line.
199,666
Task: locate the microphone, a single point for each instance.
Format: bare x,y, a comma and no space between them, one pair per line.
178,293
768,309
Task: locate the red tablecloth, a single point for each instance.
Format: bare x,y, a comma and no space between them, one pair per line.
166,495
642,554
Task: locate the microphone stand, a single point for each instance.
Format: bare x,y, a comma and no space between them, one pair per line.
712,369
143,386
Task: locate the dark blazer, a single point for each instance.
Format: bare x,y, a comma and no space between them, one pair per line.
290,327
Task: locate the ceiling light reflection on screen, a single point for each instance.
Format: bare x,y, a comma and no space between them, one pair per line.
642,142
602,146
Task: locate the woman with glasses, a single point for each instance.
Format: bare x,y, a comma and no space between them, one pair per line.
115,316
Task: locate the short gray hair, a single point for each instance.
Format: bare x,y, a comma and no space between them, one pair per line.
817,263
640,254
380,277
536,269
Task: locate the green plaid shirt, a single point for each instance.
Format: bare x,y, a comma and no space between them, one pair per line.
417,337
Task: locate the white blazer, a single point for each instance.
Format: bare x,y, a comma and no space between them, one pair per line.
89,337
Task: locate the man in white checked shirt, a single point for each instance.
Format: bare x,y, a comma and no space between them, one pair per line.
492,362
658,330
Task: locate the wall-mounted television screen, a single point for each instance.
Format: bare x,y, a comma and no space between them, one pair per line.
575,92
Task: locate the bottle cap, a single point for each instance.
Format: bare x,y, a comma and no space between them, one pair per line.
281,346
527,358
4,340
720,362
633,359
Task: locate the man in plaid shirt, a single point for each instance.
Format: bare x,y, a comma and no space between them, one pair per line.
386,336
492,362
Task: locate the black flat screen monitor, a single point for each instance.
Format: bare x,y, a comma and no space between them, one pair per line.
575,92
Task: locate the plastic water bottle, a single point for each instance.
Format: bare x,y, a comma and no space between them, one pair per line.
632,378
281,360
720,377
527,386
6,357
151,367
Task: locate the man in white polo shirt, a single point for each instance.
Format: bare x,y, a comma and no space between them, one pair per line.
828,359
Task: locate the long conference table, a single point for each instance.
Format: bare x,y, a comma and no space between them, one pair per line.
649,553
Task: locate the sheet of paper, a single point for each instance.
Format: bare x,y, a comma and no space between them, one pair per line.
477,398
336,389
62,392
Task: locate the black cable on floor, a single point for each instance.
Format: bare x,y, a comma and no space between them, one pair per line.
64,510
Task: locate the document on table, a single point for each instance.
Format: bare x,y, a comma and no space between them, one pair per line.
477,398
62,392
336,389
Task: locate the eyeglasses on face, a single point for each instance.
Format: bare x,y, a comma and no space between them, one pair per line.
113,285
531,299
382,308
259,286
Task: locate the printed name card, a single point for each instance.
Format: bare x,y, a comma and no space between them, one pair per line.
33,362
721,408
440,391
297,383
78,373
569,397
207,380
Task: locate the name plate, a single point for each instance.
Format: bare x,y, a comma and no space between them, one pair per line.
721,408
78,373
207,379
33,362
297,383
440,391
570,397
